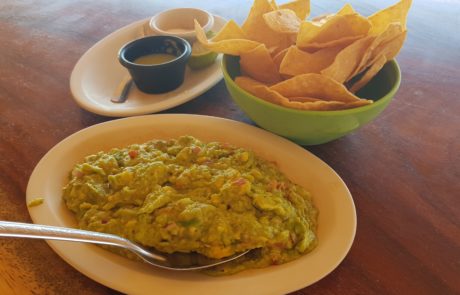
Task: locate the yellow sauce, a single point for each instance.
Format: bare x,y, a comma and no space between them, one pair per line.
154,59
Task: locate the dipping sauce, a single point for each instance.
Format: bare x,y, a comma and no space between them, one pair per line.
154,59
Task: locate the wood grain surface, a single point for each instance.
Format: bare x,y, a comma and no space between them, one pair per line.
403,169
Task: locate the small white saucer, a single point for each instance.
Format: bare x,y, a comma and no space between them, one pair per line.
98,76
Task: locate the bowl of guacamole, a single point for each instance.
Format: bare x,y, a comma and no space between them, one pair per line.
185,195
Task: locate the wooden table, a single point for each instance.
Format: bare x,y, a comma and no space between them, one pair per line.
403,169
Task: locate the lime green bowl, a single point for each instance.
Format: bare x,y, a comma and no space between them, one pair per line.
313,127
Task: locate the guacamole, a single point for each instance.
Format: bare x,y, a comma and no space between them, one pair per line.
35,202
185,195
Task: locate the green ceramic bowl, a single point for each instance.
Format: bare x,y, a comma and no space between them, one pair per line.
313,127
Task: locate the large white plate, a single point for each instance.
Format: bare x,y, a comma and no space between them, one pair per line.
337,218
98,76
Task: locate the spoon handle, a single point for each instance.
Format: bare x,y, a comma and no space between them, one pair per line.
124,92
38,231
48,232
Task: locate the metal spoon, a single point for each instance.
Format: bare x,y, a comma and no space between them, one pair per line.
145,31
182,261
124,93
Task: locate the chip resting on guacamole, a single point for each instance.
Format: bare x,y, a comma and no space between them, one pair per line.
184,195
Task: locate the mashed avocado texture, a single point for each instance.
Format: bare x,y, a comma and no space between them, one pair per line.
188,196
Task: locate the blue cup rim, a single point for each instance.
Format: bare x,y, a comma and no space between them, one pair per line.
129,64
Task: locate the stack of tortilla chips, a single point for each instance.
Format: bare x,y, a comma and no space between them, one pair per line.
315,64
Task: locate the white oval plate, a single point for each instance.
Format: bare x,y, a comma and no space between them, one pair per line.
98,76
337,217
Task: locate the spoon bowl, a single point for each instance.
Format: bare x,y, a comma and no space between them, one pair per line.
124,93
179,261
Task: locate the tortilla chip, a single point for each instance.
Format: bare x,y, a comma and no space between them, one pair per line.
257,89
304,99
314,85
360,103
311,104
395,13
282,21
322,19
316,58
230,46
390,33
274,5
247,83
231,30
369,74
319,105
278,58
258,64
348,60
391,48
388,49
255,16
337,30
298,62
300,7
257,30
346,9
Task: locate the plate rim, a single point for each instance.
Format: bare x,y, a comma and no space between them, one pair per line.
77,89
108,124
